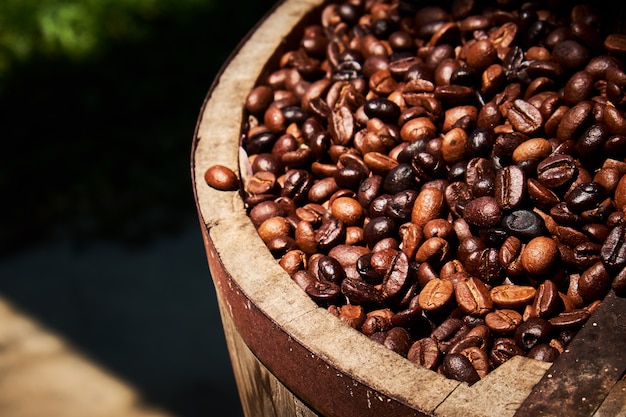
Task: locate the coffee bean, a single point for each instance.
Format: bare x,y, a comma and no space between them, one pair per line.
510,187
503,321
457,366
533,332
473,297
539,255
436,294
543,352
424,352
483,212
524,224
221,178
512,296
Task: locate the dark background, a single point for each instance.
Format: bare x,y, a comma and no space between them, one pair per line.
99,237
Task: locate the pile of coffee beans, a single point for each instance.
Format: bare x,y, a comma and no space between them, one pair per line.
447,177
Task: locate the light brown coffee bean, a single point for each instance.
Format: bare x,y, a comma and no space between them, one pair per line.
539,255
512,296
503,321
436,294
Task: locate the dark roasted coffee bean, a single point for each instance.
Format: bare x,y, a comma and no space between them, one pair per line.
483,212
556,170
397,277
330,270
524,224
613,251
543,352
572,319
480,176
323,292
547,300
585,196
377,229
399,179
457,366
532,332
331,233
361,293
383,109
594,282
297,185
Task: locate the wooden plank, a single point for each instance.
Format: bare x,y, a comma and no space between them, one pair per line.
581,378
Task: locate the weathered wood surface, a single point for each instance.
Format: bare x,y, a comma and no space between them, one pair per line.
582,377
289,356
41,375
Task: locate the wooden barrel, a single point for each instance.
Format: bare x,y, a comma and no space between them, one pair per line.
293,358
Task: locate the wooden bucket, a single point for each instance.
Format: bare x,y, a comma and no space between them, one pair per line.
293,358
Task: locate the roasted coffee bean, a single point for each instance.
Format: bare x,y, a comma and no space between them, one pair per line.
613,251
459,367
539,255
585,196
377,321
331,233
383,109
525,117
377,229
547,302
594,282
428,205
480,176
436,294
532,332
541,195
504,349
330,270
543,352
361,293
510,187
323,292
571,319
399,178
510,254
473,297
397,277
297,184
556,170
221,178
353,315
425,352
483,212
524,224
503,321
512,296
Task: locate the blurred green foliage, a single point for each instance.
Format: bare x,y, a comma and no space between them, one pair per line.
77,28
98,105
